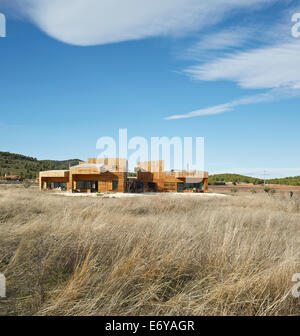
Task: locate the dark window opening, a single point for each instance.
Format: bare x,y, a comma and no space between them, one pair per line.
57,185
151,187
87,185
181,187
140,186
115,185
135,186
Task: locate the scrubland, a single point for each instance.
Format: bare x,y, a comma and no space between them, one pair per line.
157,255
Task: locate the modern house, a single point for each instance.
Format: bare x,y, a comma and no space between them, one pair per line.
110,175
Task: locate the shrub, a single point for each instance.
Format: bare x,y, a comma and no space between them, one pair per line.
27,184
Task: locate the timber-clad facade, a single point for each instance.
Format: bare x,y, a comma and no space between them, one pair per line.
111,176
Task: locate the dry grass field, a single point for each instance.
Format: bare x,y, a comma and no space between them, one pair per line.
148,256
250,188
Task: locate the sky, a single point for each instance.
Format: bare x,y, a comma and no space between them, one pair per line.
72,71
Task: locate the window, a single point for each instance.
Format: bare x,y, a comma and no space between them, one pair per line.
57,185
115,185
169,187
181,187
151,187
139,187
86,185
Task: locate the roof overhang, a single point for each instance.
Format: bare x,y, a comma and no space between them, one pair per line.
55,173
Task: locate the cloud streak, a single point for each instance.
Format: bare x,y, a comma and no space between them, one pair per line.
217,109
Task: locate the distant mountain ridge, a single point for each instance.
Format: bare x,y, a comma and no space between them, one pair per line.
29,167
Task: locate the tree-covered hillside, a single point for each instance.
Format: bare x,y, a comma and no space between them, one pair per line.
286,181
29,167
236,178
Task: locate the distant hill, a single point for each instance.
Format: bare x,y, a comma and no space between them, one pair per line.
286,181
29,167
236,178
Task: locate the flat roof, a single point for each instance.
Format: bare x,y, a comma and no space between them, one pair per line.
90,165
54,171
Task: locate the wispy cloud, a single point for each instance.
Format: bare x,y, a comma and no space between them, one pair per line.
264,68
274,68
220,41
91,22
217,109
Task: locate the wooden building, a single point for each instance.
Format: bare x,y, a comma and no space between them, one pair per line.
156,179
96,175
110,175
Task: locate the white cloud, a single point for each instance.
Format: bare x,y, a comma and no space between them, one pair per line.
274,67
265,68
224,40
265,97
91,22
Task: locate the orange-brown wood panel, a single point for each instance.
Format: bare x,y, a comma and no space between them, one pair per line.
206,185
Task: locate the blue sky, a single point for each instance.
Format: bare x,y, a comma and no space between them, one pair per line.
73,71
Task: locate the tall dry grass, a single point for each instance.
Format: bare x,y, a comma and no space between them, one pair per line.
148,256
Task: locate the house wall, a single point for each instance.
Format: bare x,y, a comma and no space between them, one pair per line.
153,171
105,181
53,176
44,180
